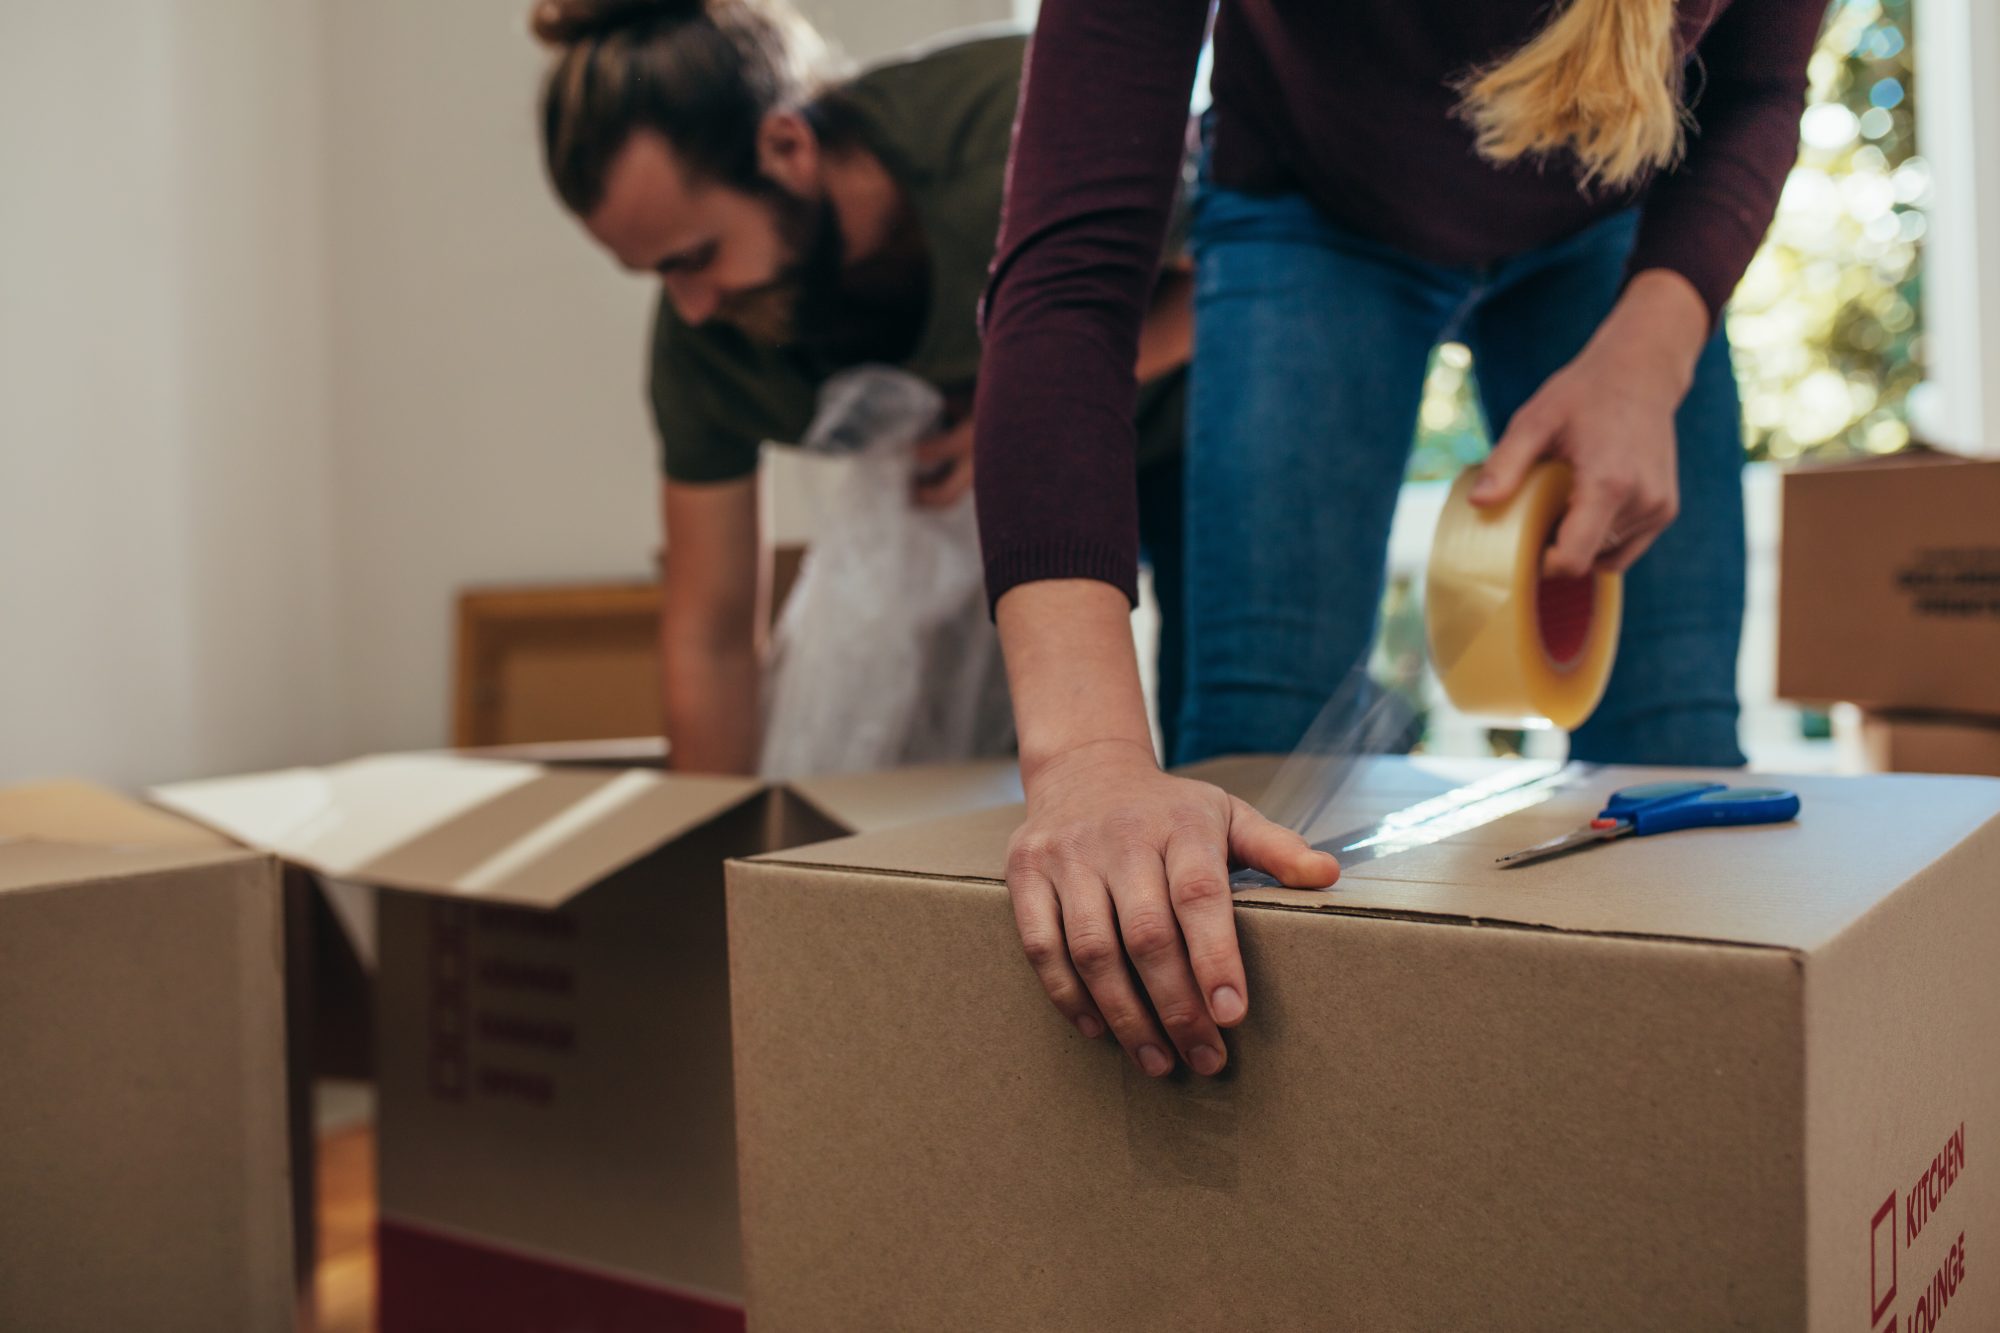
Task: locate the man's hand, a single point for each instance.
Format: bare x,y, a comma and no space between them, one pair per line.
1610,414
944,467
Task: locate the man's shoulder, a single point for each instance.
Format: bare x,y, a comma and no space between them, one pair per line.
947,105
989,52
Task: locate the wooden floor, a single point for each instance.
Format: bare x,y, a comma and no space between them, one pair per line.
346,1276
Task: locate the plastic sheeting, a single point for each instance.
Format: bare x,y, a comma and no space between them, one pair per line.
884,654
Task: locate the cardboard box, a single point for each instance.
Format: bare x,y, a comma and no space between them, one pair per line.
1889,584
1930,743
143,1177
1713,1079
555,1123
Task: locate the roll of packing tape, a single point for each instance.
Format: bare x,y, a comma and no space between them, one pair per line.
1506,641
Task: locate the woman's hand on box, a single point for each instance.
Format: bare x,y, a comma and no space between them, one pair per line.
1121,874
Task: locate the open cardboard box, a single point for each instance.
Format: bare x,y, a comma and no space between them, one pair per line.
143,1176
555,1122
1720,1078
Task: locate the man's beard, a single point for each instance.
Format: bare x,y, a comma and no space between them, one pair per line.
835,313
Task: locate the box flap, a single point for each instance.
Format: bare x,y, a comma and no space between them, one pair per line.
69,832
1915,456
866,802
623,752
82,812
434,823
28,864
1792,886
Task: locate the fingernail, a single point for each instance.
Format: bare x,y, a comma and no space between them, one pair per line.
1154,1061
1205,1059
1088,1025
1226,1004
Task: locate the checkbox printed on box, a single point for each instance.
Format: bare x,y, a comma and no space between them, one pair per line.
1882,1258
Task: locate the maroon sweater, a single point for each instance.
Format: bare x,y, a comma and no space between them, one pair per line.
1351,104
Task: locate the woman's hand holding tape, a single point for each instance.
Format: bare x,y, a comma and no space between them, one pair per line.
1610,414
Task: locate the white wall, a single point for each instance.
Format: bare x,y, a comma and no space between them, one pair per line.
487,362
165,589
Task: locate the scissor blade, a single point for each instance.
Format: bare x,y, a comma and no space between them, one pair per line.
1557,846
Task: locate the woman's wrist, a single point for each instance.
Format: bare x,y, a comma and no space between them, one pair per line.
1656,332
1102,754
1073,672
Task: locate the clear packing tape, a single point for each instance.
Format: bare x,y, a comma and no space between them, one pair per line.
1506,643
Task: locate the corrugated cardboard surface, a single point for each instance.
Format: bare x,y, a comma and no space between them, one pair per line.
82,813
1686,885
142,1104
1424,1130
30,865
1889,590
1604,1096
1902,1023
912,795
1923,743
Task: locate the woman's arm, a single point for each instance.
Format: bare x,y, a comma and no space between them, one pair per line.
1610,411
1118,861
1097,153
1746,87
1119,869
716,581
944,461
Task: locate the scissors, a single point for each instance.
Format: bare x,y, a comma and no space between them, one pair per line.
1662,807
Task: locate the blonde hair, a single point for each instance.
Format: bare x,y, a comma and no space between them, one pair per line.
1602,80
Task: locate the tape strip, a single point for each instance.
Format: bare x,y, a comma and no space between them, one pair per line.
1439,817
1505,641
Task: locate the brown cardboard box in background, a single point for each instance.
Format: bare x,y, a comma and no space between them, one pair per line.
143,1178
555,1124
1713,1079
1889,586
1930,743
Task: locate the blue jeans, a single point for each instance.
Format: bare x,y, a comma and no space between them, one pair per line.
1310,349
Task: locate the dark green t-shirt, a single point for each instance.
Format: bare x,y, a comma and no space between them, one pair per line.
940,123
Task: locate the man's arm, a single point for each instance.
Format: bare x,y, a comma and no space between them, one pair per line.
1166,337
716,585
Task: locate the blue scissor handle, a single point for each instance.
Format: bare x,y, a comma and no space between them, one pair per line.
1712,806
1627,799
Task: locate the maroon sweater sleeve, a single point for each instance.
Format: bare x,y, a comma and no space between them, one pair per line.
1706,218
1097,152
